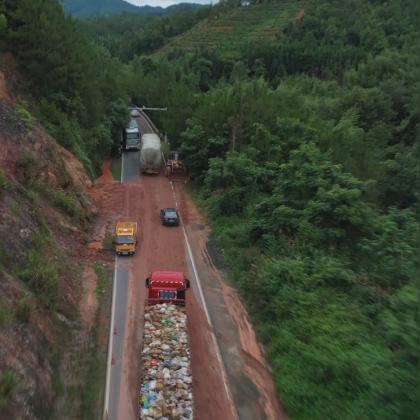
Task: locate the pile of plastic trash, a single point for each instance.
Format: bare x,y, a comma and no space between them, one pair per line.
166,390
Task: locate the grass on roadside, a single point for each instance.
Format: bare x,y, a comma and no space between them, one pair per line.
93,392
8,382
116,169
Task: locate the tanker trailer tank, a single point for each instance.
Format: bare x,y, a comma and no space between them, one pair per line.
150,154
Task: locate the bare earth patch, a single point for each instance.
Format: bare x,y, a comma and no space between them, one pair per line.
88,303
300,15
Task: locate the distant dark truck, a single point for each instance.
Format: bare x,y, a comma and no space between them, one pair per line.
131,136
167,287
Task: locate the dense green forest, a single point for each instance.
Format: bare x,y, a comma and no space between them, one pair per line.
75,88
304,151
129,34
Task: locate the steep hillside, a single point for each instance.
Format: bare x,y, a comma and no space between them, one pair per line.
127,35
227,29
45,214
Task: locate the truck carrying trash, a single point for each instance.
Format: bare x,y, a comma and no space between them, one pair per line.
167,286
166,379
125,238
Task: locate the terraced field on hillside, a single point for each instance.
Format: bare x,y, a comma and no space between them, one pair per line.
239,26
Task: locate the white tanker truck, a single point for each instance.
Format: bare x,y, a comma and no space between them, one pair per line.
150,154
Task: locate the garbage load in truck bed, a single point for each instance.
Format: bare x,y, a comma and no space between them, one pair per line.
150,154
166,377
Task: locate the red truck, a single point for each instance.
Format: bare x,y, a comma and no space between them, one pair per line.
167,287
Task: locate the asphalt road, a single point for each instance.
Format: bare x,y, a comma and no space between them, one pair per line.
118,335
129,172
116,388
130,160
130,166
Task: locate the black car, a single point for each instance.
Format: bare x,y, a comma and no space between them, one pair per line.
169,217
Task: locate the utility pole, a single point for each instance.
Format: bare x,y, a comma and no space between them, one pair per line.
146,108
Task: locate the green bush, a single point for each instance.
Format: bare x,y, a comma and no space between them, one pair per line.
102,280
4,311
15,208
65,201
21,109
23,309
8,382
4,182
3,24
108,241
40,272
26,163
68,204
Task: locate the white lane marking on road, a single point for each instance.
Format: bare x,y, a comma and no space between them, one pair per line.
111,329
111,335
122,168
203,301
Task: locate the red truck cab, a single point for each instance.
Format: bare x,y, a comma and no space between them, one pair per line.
167,287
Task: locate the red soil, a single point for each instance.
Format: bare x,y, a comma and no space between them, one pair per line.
88,304
159,248
163,248
299,15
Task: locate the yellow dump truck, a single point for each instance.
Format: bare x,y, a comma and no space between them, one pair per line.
125,238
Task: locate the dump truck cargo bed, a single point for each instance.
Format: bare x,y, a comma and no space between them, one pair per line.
166,377
126,228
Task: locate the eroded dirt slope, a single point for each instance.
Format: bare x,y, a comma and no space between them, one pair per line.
45,218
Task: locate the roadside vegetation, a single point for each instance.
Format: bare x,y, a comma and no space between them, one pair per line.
41,271
8,382
75,88
116,169
92,394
